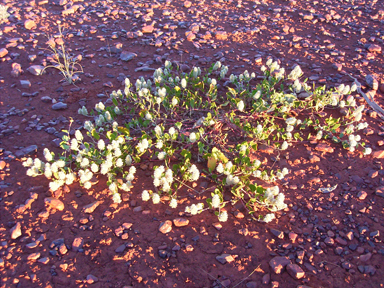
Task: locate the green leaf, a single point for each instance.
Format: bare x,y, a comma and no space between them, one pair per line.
95,134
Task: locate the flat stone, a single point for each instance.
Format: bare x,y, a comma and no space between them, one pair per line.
30,24
180,222
121,248
365,257
59,106
322,147
3,52
295,271
362,195
165,227
380,191
25,84
77,244
33,256
373,48
91,207
278,263
54,203
266,279
378,154
92,279
147,29
372,82
16,231
277,233
35,69
225,258
26,151
127,56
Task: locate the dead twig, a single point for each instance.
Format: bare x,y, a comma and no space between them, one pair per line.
370,102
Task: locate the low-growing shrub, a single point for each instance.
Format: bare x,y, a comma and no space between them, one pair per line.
203,125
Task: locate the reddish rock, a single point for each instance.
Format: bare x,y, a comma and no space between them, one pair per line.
295,271
3,52
91,207
165,227
322,147
180,222
221,35
30,24
16,231
187,4
54,203
147,29
378,154
278,263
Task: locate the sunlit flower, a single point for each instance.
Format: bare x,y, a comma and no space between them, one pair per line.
216,201
223,216
145,195
269,217
173,203
155,198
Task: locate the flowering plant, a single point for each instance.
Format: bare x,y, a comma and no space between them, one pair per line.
181,124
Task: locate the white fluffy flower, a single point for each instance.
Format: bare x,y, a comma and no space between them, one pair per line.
183,83
220,168
47,155
269,217
87,185
173,203
223,216
116,198
113,187
74,144
240,105
172,131
78,135
101,144
194,173
28,162
145,195
192,137
161,155
119,163
159,144
155,198
216,201
158,130
128,160
284,146
367,151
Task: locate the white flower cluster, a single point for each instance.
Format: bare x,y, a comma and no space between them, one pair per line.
240,105
146,195
143,145
269,217
353,141
193,173
274,199
358,113
194,209
192,137
196,72
83,111
295,73
232,180
216,201
163,178
3,13
223,71
223,216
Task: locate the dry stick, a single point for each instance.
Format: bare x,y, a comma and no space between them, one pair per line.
370,102
247,277
217,279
